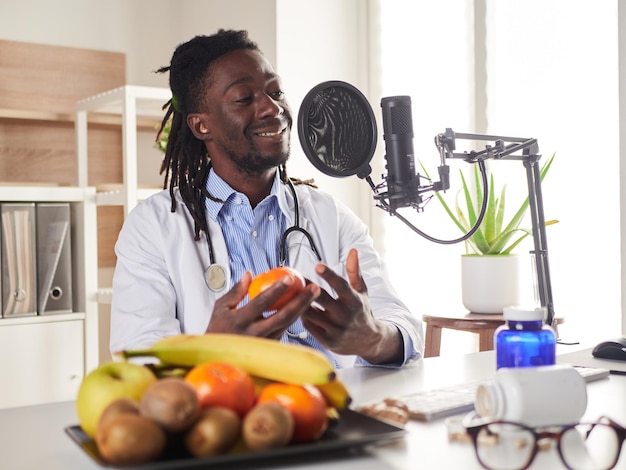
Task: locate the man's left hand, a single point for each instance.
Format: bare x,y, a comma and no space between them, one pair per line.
345,324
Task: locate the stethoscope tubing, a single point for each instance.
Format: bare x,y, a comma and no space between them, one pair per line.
215,275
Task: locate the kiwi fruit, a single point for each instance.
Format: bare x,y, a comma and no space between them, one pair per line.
215,432
269,425
171,402
130,439
116,408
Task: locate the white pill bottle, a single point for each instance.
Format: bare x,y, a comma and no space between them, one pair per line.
534,396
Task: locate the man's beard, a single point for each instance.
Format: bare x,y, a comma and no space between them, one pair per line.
254,163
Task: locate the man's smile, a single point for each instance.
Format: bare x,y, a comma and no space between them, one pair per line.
271,133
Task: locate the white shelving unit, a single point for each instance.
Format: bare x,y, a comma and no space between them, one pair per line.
45,357
133,104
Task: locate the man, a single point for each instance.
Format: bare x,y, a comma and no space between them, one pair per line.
186,257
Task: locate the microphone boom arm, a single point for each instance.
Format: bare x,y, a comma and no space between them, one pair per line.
507,148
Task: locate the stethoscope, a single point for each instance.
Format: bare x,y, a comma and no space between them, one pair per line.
215,275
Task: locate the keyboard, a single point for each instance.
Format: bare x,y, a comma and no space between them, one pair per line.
438,403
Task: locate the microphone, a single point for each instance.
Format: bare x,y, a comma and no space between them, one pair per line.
402,180
338,133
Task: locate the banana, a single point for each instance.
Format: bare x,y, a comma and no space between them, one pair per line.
263,357
335,393
333,415
162,370
260,383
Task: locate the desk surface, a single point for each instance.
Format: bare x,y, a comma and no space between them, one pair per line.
33,437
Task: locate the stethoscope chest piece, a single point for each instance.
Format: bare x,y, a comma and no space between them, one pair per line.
215,277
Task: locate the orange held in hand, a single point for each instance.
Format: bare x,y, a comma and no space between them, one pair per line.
268,278
223,384
306,404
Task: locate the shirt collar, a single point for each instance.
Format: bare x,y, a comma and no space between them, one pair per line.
220,189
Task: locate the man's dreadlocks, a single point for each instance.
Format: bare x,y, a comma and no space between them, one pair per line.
186,163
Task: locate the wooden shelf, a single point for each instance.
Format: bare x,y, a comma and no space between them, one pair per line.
113,195
33,319
142,101
148,123
35,115
130,103
48,193
105,294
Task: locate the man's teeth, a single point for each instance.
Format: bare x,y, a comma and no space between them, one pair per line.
269,134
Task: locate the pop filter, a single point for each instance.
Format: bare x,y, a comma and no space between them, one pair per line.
337,129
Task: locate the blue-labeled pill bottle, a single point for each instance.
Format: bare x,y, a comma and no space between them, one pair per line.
524,340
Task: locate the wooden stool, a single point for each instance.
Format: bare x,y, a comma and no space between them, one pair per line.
482,324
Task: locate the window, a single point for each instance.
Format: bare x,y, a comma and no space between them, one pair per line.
527,68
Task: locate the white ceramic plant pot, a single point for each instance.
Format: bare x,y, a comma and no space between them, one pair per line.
490,282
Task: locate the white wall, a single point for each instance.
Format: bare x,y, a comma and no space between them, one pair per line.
138,29
315,45
147,31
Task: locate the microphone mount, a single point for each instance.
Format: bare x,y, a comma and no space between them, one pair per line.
497,148
338,134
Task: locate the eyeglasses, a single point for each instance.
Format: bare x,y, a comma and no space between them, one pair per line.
504,445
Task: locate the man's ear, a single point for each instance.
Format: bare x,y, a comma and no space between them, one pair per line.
198,123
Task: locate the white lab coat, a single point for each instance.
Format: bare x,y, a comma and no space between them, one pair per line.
159,286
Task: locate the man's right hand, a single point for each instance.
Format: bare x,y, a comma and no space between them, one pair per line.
249,319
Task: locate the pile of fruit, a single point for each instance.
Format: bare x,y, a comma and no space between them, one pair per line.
210,394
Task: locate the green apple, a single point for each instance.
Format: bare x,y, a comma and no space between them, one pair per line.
106,383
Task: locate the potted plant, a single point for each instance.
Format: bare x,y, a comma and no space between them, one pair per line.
162,138
490,269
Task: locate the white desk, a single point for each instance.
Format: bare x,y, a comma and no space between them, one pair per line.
33,438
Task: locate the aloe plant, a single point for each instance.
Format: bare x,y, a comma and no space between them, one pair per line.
493,237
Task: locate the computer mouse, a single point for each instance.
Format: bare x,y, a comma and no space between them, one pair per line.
611,349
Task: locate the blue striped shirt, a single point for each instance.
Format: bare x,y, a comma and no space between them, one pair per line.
252,239
252,235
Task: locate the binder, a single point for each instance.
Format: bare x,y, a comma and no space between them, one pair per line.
54,258
18,260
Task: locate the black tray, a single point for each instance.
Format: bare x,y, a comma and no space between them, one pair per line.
353,430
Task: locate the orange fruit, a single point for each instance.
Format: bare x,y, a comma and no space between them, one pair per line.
265,280
223,384
305,403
